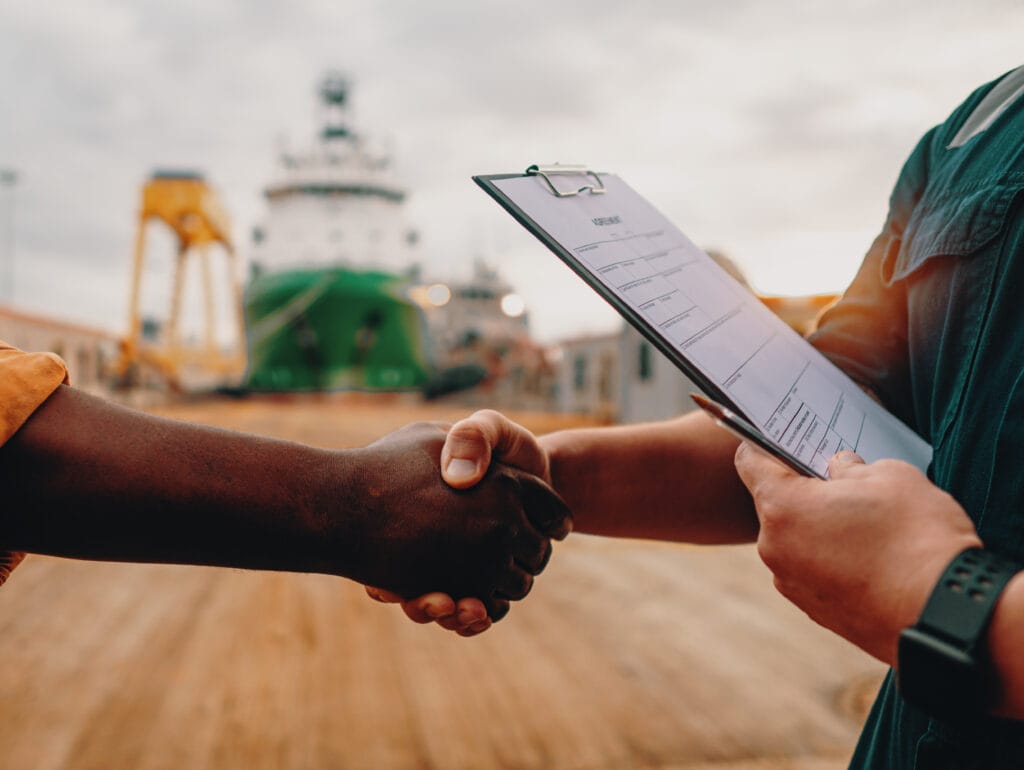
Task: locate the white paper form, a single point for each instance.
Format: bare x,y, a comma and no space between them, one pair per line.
796,396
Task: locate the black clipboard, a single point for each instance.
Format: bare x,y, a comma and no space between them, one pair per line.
594,186
892,437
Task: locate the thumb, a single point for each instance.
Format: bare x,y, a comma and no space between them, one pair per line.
466,454
471,443
842,462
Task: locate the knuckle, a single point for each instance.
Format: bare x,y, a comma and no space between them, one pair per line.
449,624
741,451
519,585
560,526
465,433
545,556
514,443
767,552
546,510
507,481
499,609
773,515
897,467
764,550
415,614
566,521
527,584
485,423
488,415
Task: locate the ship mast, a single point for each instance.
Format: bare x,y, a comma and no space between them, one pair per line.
334,89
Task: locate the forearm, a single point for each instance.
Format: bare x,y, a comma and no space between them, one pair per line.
89,479
672,480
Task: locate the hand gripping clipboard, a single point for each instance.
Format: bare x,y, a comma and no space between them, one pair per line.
705,322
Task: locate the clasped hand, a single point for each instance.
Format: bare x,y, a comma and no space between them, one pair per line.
480,453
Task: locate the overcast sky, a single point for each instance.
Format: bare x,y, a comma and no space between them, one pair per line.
770,130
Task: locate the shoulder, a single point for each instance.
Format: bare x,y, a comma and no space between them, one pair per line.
914,175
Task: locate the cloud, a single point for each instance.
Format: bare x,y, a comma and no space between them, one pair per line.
760,127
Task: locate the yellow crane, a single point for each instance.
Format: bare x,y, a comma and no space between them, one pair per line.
190,207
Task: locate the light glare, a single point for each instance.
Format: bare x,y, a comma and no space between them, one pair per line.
439,295
512,305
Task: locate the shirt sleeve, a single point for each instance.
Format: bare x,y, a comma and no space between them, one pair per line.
865,332
26,381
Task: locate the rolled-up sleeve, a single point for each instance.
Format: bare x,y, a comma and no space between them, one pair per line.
865,333
26,381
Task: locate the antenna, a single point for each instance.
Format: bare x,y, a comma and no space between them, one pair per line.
334,97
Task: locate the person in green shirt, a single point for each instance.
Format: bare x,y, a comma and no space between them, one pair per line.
933,326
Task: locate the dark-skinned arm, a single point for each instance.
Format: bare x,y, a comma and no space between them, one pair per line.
85,478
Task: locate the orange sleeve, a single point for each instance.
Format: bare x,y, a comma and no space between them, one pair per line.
26,381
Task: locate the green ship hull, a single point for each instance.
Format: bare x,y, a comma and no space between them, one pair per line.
333,329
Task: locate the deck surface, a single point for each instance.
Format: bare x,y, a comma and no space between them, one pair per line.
626,655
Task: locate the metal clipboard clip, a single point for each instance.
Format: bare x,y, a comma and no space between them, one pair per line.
559,169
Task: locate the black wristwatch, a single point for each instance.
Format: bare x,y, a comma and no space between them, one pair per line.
942,665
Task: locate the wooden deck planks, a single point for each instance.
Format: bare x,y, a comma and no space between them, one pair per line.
627,655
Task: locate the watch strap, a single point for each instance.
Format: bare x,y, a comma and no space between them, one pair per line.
942,664
962,603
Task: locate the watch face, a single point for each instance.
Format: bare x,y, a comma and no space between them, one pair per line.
938,678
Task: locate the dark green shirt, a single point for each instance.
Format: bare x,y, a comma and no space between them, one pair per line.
934,325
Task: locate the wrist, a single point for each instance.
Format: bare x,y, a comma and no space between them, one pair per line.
947,667
335,511
1004,644
916,592
559,449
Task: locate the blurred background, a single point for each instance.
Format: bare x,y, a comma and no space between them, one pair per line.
260,215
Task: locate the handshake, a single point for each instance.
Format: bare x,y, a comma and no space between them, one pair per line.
454,522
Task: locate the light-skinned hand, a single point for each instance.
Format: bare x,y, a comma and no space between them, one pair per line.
860,553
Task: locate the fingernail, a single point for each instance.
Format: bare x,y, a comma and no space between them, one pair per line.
459,468
434,610
846,456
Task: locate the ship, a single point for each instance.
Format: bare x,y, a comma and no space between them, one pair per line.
328,304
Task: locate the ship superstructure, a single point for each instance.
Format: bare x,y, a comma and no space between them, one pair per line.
337,202
327,306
